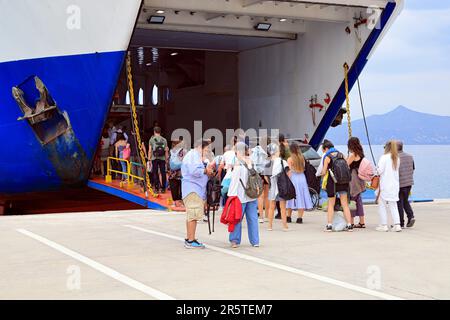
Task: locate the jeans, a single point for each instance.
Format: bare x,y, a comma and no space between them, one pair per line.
124,170
250,210
159,166
403,205
382,209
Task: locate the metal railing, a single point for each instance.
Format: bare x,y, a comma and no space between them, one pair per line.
129,174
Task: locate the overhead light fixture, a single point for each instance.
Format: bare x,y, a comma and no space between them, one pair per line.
148,64
160,11
156,19
283,20
174,54
263,26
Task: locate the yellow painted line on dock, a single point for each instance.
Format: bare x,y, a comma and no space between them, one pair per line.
99,267
307,274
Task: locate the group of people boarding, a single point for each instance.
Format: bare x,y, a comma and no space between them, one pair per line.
255,182
239,166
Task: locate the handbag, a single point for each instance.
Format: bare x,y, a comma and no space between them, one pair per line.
226,181
375,182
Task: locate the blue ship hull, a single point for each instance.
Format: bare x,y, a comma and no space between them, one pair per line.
82,87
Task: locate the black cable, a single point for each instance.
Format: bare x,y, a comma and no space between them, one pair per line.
365,122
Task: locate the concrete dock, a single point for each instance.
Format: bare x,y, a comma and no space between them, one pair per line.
140,255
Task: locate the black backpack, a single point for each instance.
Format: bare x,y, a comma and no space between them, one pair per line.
286,189
340,169
160,149
254,187
213,191
311,178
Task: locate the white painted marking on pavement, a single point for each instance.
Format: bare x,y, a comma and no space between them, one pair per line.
307,274
99,267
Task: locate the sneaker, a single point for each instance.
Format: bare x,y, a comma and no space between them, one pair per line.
397,228
300,220
349,228
278,216
234,245
205,218
328,228
288,219
261,220
411,223
193,245
255,245
382,228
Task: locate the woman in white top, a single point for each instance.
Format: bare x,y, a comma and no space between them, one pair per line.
274,152
388,166
239,177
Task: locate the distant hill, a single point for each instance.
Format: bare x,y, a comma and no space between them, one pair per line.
410,126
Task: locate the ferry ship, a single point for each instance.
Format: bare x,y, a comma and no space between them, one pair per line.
61,63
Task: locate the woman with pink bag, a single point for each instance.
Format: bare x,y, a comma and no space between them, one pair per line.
361,170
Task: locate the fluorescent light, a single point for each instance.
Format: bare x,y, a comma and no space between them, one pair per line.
148,64
283,19
174,54
160,11
156,19
263,26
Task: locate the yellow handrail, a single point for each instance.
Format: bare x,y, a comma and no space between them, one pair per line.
130,176
109,170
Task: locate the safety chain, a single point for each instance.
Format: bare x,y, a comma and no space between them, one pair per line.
347,99
136,127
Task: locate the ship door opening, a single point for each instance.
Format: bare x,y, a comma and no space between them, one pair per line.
239,63
175,87
182,77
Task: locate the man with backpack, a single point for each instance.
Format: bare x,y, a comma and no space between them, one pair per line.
337,176
158,153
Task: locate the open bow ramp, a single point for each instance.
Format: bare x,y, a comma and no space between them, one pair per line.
133,194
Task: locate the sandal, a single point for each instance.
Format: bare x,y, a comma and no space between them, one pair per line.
360,226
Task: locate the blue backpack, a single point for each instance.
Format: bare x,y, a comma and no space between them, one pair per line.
176,158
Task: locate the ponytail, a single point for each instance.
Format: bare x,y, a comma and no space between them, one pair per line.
392,148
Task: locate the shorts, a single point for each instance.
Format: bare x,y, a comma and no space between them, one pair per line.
195,208
335,188
265,183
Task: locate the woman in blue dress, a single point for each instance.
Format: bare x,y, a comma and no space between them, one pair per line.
302,201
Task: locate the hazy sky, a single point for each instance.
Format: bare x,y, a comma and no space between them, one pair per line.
411,66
